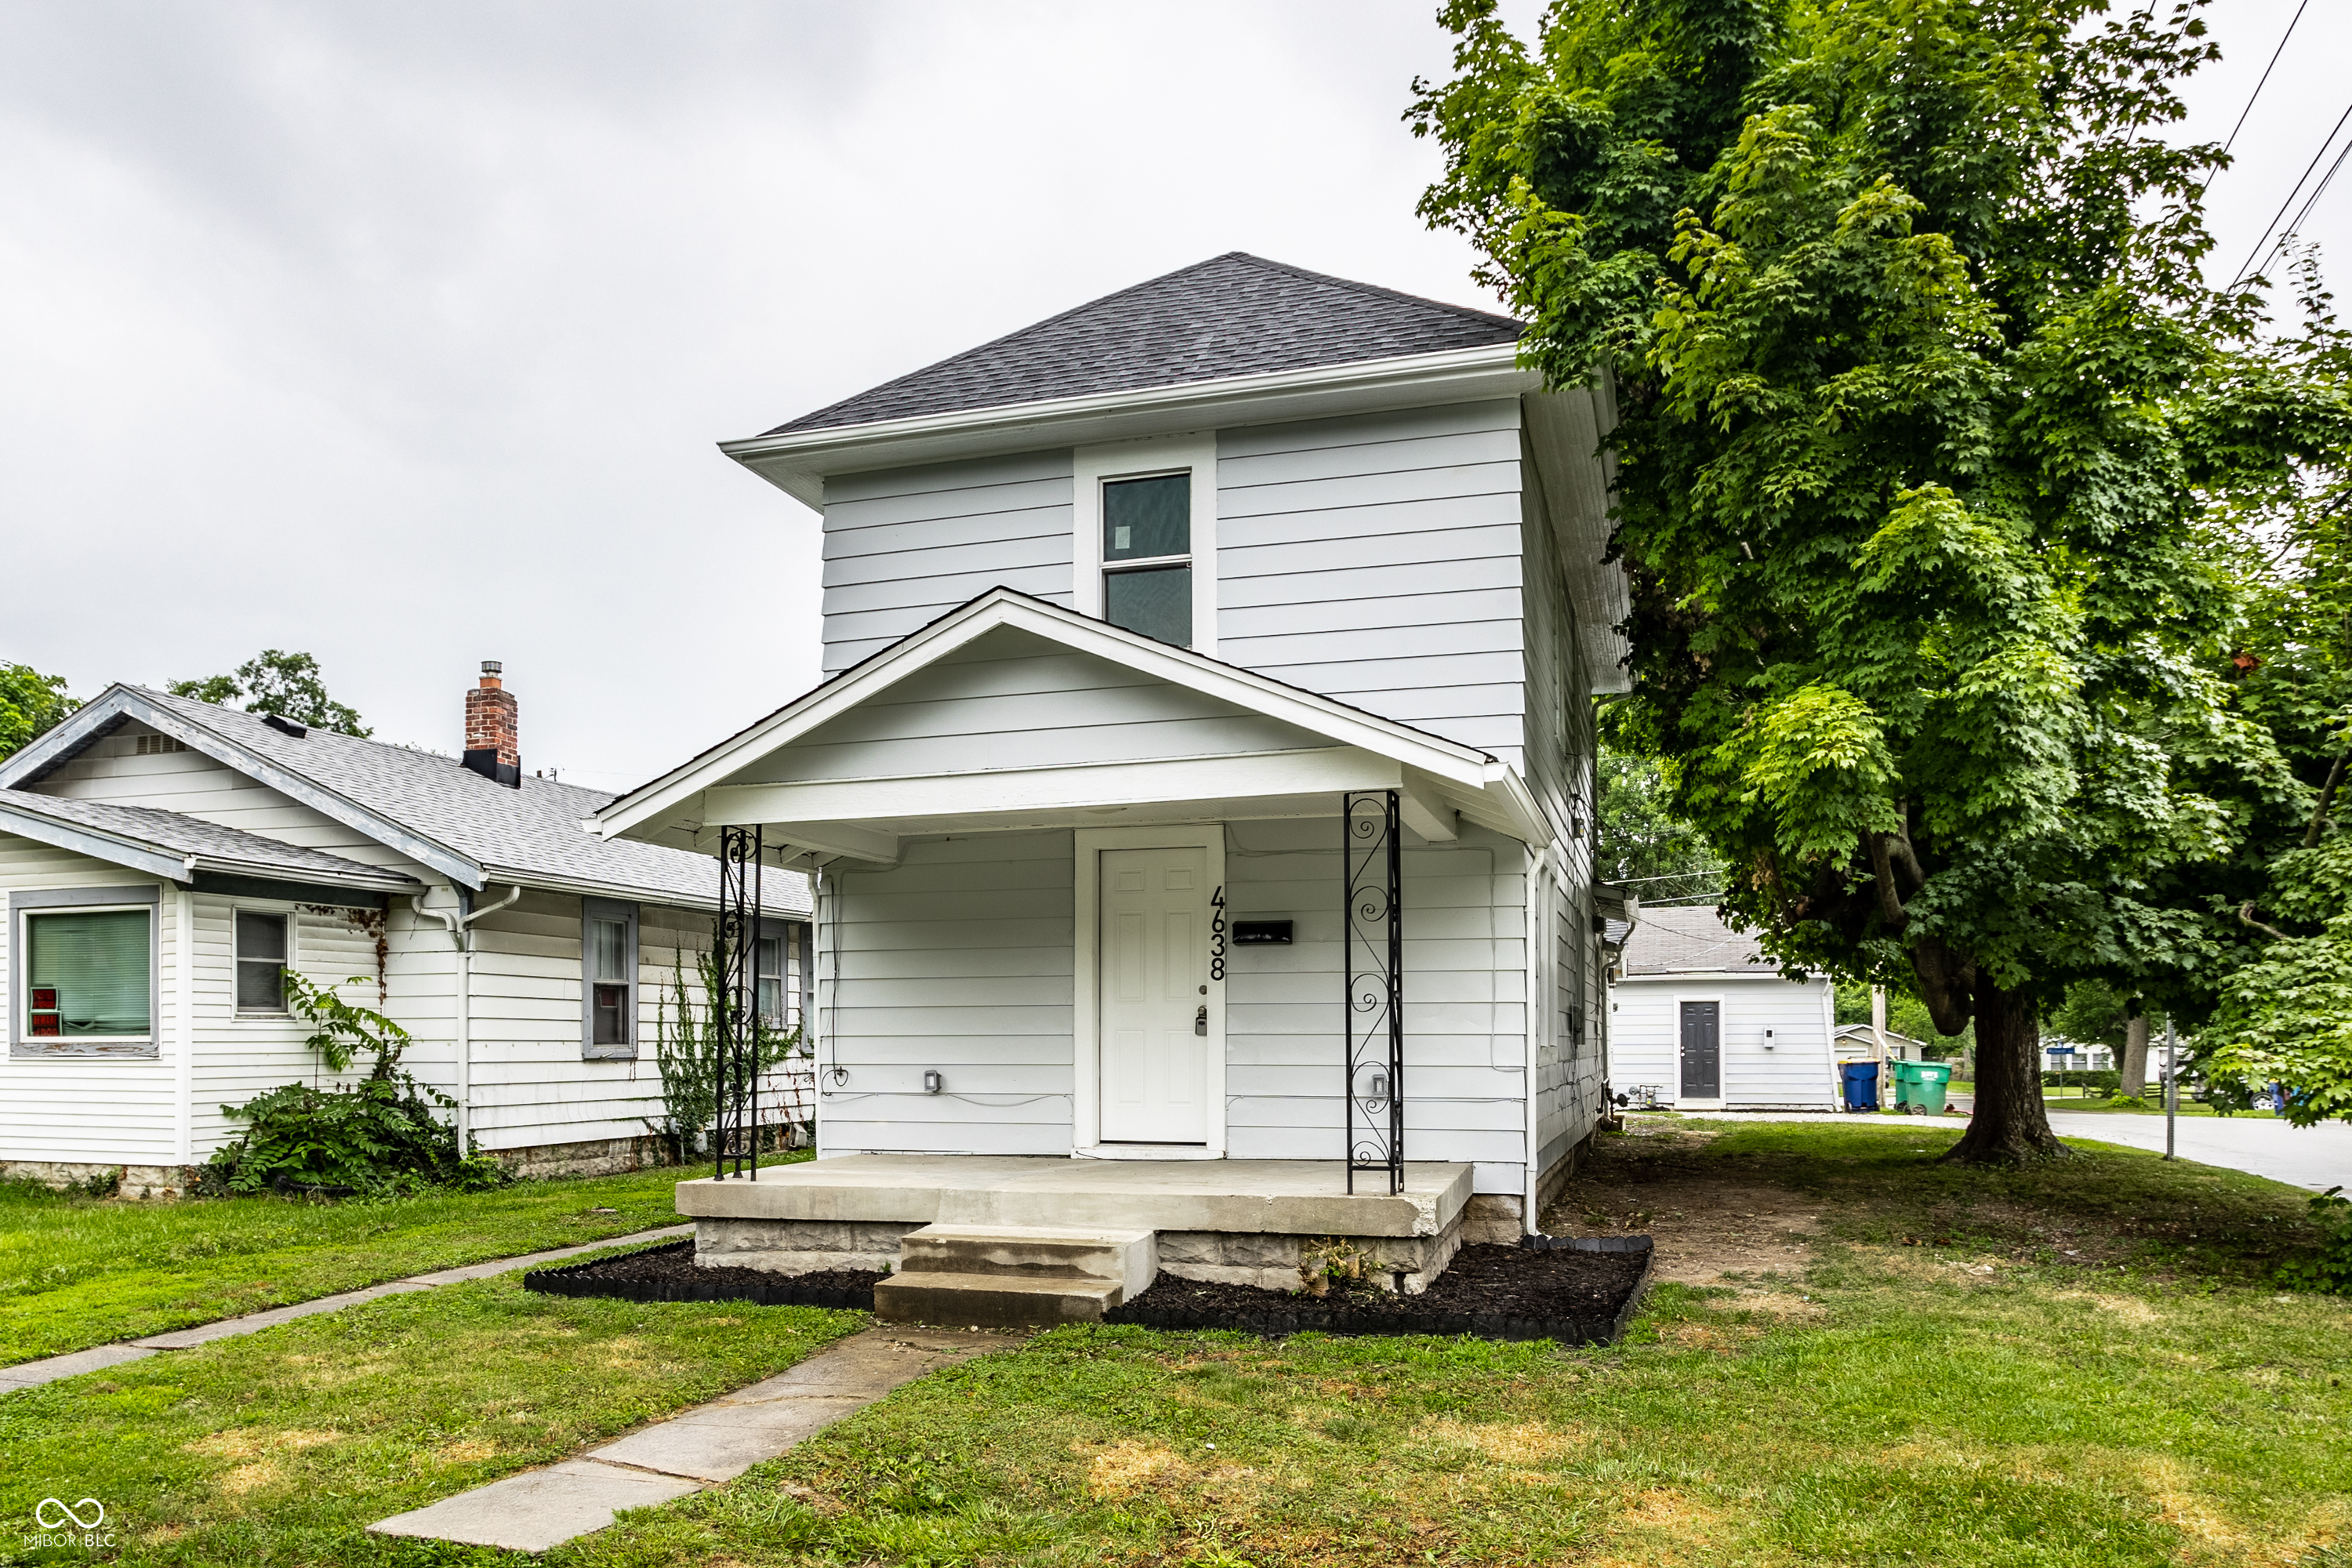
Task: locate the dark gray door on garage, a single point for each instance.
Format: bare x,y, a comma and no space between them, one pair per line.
1702,1050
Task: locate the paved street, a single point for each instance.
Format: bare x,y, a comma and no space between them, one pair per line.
2314,1157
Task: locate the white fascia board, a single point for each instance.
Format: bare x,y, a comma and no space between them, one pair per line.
654,803
629,892
106,847
797,462
883,800
122,701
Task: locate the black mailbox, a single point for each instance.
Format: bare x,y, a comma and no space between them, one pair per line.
1254,933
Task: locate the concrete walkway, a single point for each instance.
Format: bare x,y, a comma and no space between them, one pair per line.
716,1442
32,1373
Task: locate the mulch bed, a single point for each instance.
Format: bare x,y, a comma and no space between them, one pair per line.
669,1273
1578,1294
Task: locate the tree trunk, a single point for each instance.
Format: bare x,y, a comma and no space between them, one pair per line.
2010,1126
2135,1062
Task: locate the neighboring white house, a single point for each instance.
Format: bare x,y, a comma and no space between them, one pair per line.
161,859
1175,644
1701,1019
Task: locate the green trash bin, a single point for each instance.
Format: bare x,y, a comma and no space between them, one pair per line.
1919,1087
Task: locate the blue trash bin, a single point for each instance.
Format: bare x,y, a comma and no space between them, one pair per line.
1861,1080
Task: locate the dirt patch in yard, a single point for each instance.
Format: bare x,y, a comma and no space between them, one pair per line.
1706,1226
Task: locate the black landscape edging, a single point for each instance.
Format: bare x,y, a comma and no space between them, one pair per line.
1589,1330
578,1279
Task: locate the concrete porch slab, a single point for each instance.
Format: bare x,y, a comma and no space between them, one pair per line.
1294,1197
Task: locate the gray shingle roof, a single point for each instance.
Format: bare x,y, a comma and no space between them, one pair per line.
178,834
1236,314
1690,939
530,833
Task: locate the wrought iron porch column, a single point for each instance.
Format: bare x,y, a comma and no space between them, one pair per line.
1374,943
735,1010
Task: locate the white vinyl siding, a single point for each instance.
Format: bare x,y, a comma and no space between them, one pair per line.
1464,1000
1377,558
1016,701
959,958
905,546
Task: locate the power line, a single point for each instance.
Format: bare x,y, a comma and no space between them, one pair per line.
2248,265
2276,53
2316,192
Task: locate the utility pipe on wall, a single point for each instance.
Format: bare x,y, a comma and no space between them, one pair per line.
459,922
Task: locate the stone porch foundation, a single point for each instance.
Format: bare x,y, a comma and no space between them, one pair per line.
1245,1222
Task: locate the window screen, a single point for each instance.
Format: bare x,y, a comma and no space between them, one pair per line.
771,962
87,974
1143,519
260,962
1156,601
609,982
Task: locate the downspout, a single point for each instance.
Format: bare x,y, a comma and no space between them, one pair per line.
1536,956
459,922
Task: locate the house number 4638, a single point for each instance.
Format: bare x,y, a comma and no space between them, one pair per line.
1217,934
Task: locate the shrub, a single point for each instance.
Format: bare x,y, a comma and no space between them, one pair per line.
381,1134
2105,1082
2330,1269
687,1043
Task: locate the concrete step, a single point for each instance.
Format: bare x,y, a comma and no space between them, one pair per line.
993,1300
1047,1254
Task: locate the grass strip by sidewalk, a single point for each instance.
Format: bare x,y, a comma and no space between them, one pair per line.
77,1271
281,1448
1945,1384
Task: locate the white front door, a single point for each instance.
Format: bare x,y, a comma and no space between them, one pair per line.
1155,993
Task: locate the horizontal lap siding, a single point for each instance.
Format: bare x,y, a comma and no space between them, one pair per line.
1645,1039
959,960
905,546
1378,560
241,1056
1017,701
98,1111
1464,1000
191,783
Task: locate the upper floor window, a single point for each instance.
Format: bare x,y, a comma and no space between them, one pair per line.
1145,545
1147,556
261,958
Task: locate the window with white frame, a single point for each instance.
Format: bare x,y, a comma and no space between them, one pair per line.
262,954
608,969
778,962
88,974
1146,554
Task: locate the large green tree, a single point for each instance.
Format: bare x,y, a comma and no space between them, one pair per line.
287,685
1931,448
30,703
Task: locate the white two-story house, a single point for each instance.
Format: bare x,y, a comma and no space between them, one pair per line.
1203,782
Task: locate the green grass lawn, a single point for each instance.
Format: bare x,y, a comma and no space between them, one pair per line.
2047,1368
280,1448
77,1271
2075,1366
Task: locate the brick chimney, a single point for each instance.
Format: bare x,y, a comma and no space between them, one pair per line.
492,749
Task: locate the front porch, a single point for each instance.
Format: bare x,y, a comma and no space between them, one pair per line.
1246,1222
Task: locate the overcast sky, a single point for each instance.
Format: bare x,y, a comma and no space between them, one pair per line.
402,332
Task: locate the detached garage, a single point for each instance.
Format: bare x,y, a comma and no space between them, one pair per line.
1700,1020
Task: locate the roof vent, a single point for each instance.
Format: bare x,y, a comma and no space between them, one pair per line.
283,726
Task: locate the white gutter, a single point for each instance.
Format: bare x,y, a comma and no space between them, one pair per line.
460,925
